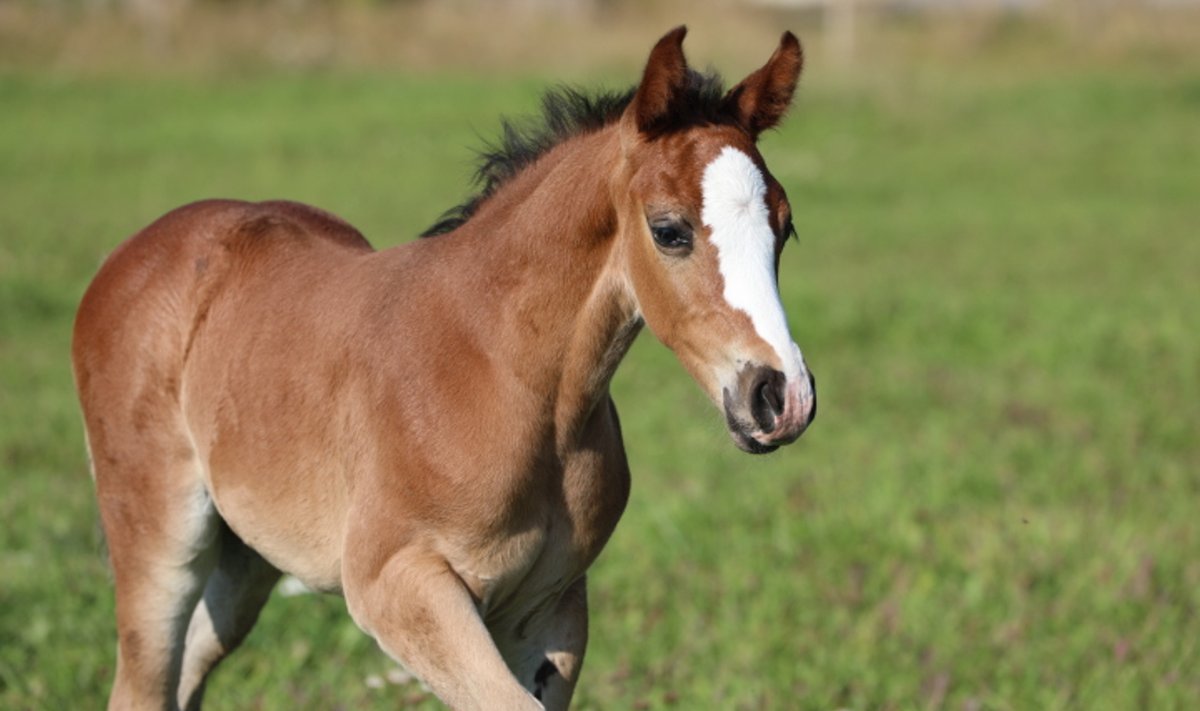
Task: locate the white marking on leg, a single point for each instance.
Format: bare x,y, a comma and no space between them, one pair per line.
735,210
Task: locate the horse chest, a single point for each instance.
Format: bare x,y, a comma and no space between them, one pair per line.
564,527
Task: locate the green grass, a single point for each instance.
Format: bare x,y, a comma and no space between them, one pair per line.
997,284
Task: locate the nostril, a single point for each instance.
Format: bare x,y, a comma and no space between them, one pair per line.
773,396
767,401
812,413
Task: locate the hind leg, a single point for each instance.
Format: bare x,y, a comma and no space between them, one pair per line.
235,593
160,525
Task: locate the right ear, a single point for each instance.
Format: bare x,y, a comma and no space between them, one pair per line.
761,100
663,82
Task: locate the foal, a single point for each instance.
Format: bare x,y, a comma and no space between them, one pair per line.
427,430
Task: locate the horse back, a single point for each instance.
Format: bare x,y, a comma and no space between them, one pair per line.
150,294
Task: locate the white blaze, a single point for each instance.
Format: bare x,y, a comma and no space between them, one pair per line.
735,210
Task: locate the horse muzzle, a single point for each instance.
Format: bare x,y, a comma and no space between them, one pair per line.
766,410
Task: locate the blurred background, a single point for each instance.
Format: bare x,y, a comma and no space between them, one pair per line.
590,36
995,283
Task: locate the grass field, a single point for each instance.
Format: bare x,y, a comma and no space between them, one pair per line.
997,285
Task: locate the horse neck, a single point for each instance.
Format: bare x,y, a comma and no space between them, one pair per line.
551,275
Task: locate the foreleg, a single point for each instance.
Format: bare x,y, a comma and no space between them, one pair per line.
545,650
421,613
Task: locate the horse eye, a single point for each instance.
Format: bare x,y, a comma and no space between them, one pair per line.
674,238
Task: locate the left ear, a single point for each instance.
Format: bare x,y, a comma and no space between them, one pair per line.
761,100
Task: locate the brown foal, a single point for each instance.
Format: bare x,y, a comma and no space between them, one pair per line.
427,430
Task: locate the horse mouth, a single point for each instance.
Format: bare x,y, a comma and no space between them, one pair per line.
740,433
750,445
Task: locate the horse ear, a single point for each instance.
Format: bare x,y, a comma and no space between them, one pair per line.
761,100
663,81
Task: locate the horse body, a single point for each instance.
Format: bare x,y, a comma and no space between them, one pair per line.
427,429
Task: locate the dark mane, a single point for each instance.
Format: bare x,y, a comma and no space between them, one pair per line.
568,112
